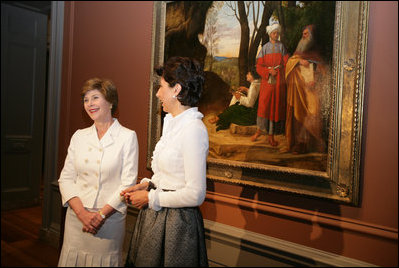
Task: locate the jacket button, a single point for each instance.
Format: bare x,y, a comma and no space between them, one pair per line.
86,161
98,161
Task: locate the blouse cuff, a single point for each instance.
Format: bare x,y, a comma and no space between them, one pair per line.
118,205
153,199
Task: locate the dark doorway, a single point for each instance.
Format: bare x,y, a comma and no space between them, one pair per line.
24,64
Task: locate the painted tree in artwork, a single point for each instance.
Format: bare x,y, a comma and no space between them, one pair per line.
210,37
249,42
291,15
185,20
295,15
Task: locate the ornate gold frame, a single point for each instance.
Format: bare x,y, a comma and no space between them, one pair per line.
340,183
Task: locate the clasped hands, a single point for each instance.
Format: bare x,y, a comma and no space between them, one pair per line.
136,195
92,221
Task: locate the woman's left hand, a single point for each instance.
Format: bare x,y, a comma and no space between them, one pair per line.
138,199
97,221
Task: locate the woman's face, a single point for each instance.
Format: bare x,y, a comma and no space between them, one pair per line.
165,94
96,106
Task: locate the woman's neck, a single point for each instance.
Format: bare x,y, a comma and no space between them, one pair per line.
102,127
179,109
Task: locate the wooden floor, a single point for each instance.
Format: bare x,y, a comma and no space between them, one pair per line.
20,243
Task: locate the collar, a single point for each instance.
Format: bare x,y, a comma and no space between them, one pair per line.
175,123
109,136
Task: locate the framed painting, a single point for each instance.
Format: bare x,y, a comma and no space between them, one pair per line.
313,148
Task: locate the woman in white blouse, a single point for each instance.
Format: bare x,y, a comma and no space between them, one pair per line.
102,160
169,230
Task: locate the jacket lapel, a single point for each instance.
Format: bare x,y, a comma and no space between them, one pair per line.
92,137
112,134
107,139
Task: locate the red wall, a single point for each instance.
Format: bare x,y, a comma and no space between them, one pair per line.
113,39
109,39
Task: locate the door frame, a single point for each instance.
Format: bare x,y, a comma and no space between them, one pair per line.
51,216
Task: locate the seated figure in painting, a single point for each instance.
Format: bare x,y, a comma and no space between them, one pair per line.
243,105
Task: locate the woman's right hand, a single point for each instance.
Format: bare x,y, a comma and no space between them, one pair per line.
90,220
139,199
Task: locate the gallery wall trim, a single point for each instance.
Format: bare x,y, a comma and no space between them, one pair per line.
310,216
68,66
270,248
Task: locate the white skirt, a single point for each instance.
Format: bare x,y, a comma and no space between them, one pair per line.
85,249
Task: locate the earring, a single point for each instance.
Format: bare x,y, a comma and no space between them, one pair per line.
174,96
110,107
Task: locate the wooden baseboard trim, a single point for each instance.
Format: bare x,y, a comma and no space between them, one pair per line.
281,250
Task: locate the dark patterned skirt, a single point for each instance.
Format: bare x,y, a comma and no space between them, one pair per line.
169,237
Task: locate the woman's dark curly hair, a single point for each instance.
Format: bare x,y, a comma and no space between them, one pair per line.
188,74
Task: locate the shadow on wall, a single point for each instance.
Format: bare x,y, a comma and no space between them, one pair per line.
311,235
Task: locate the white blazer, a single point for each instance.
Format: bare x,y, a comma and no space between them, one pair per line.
96,170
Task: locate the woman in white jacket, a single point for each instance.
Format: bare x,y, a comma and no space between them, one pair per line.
102,160
169,230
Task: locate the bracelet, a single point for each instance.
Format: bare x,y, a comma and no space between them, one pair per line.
151,186
101,214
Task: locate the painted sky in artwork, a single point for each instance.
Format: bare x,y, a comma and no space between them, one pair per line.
229,32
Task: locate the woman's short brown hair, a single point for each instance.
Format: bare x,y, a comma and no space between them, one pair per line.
106,87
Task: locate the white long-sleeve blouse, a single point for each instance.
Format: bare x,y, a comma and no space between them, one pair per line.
179,162
96,170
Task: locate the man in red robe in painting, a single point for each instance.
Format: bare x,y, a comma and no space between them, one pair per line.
305,72
270,65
